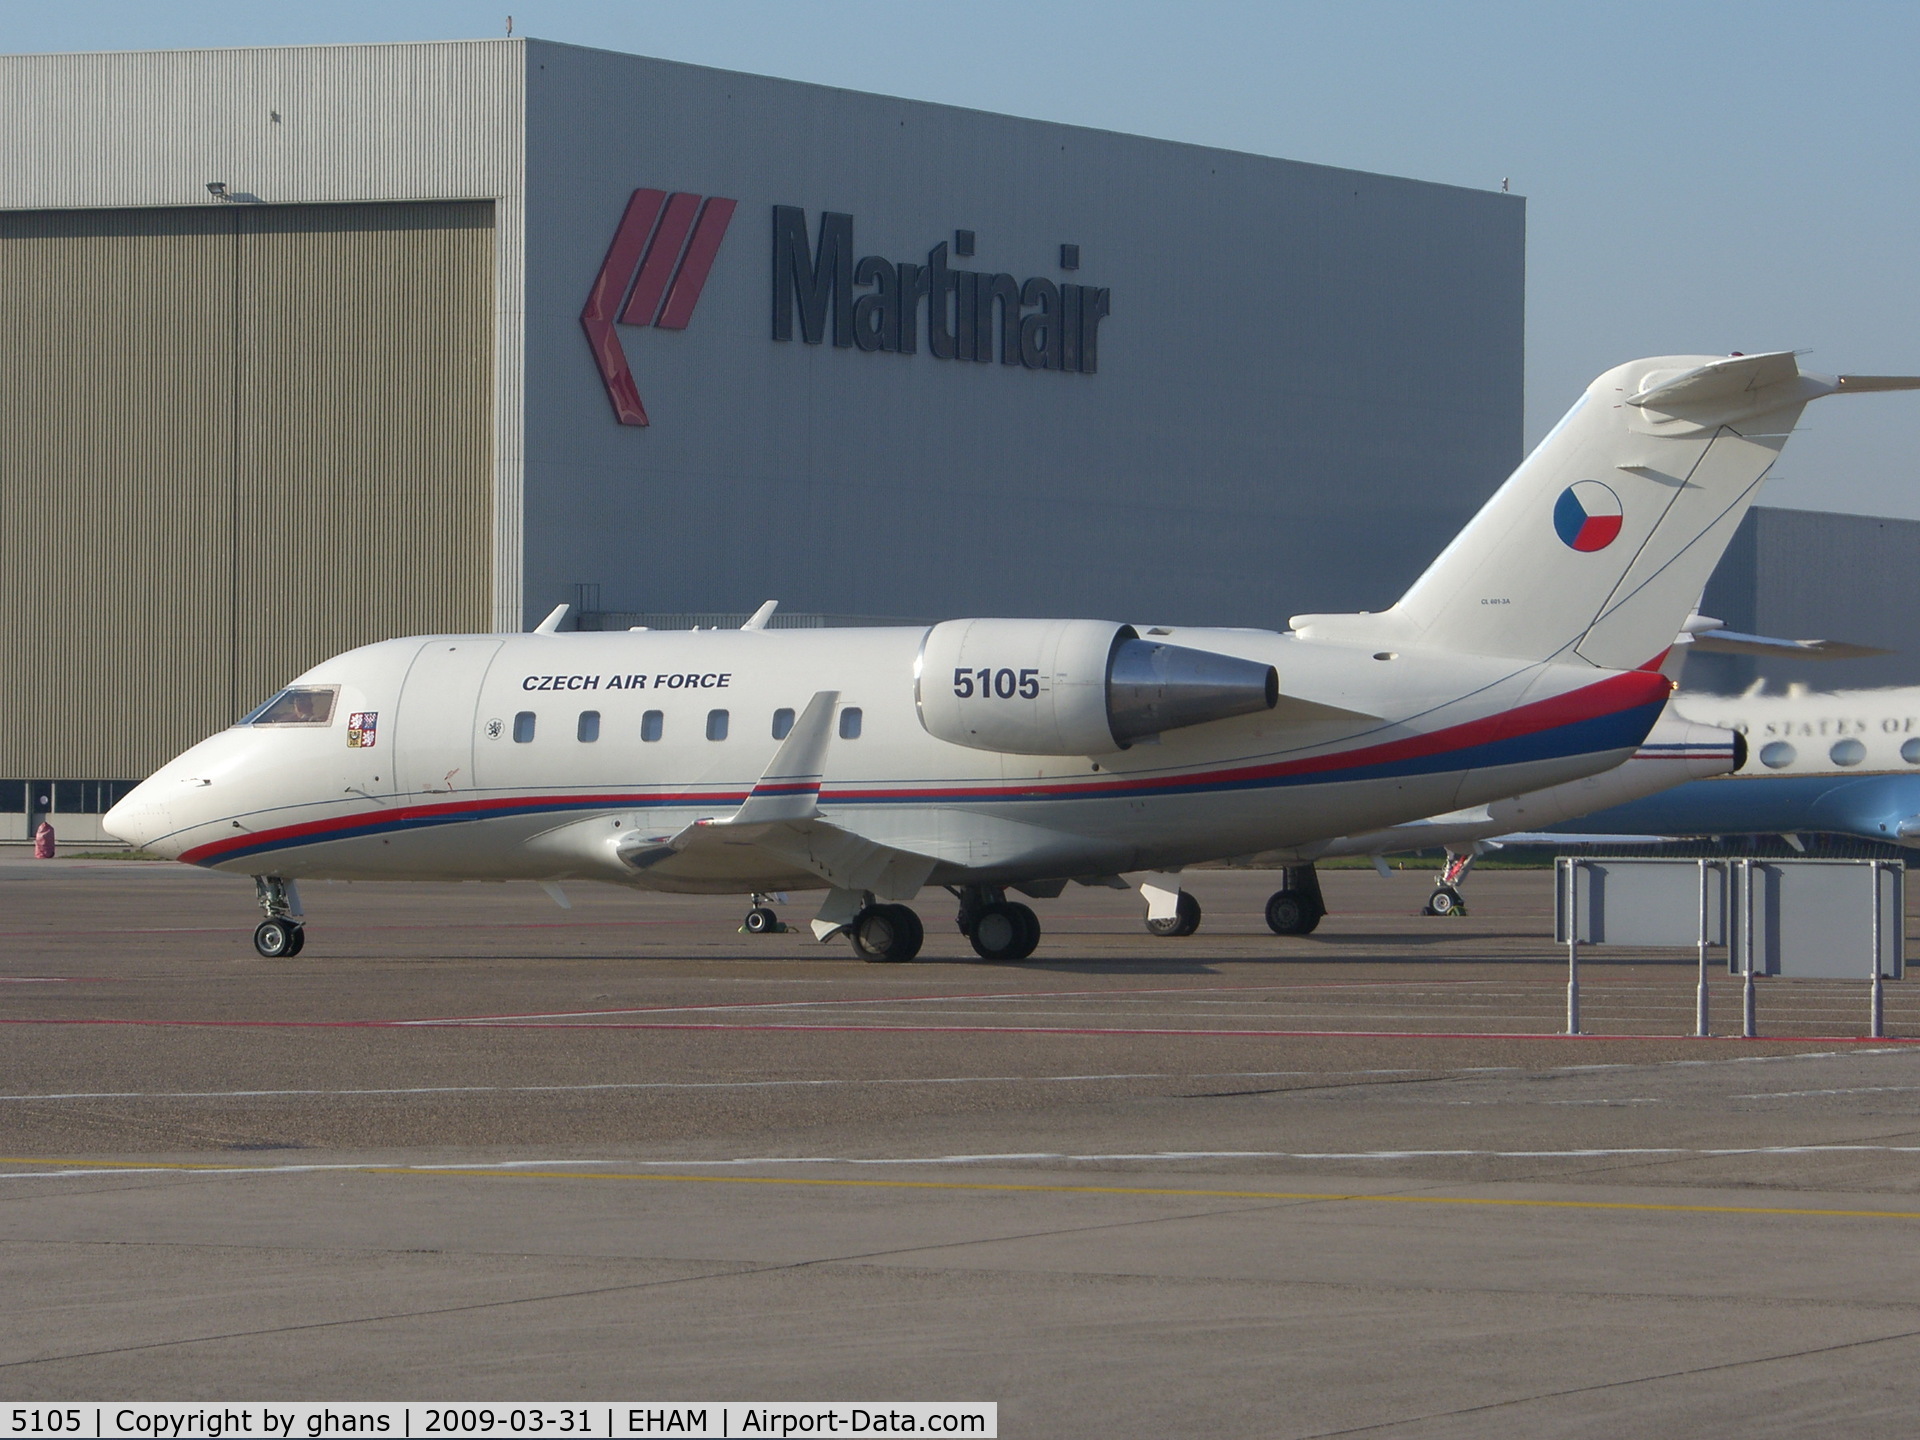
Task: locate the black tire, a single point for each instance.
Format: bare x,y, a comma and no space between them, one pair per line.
1004,931
1290,913
913,933
886,934
761,921
276,939
1445,900
1030,924
299,940
1184,920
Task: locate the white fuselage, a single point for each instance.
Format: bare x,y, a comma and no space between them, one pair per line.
446,781
1810,732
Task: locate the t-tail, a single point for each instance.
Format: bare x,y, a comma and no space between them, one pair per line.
1597,547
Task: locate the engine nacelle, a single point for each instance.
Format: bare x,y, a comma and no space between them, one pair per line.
1074,687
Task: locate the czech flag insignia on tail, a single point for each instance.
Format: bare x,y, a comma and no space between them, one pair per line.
1587,516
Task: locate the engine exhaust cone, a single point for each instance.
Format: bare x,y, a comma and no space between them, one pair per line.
1153,688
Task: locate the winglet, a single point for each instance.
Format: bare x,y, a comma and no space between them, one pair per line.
555,617
758,620
790,790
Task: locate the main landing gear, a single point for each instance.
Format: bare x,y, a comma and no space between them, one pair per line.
1296,908
884,933
996,927
1184,921
281,935
1171,911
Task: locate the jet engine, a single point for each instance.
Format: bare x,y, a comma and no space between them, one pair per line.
1074,687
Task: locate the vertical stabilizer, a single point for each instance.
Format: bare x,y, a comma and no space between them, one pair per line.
1598,545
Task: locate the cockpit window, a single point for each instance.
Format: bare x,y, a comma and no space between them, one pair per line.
301,705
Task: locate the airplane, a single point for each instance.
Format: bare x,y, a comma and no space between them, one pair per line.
982,755
1676,751
1842,762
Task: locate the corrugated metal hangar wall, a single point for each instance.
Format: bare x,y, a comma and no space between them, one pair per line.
234,441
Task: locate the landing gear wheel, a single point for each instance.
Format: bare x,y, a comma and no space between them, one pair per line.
1445,900
1288,913
761,921
886,933
1005,930
1184,921
278,938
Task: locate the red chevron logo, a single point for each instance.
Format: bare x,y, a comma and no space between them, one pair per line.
653,274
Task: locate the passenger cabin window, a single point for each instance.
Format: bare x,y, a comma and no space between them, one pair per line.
782,724
850,723
1848,752
651,725
523,727
716,724
588,730
1776,753
1910,751
301,705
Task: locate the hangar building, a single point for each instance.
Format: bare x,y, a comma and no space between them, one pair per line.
1815,575
308,347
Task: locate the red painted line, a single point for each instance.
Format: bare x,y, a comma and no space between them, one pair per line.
692,277
469,809
981,995
975,1030
662,256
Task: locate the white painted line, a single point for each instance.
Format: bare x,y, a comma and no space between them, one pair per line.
1011,1157
1437,1075
576,1089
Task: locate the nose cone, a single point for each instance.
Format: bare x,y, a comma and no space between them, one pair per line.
139,819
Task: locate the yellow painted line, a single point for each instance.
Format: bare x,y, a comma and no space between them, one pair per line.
457,1172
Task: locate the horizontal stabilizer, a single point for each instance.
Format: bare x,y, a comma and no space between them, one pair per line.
1732,642
1716,382
1867,384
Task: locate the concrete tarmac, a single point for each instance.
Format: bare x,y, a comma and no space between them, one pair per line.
472,1146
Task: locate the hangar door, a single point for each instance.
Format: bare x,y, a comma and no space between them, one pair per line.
233,441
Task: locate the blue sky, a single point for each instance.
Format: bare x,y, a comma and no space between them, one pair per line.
1700,177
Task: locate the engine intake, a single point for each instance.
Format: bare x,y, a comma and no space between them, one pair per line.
1074,687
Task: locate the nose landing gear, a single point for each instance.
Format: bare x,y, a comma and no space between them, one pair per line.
281,935
760,919
277,938
1446,898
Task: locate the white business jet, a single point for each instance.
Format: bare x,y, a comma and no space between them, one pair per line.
994,754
